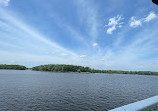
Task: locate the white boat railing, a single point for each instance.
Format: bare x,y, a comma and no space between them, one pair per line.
150,104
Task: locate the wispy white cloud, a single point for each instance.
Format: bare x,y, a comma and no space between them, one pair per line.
88,13
16,22
83,56
110,30
150,17
135,23
72,30
114,23
64,54
77,35
4,2
138,22
95,44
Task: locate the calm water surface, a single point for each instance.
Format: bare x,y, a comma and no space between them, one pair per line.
47,91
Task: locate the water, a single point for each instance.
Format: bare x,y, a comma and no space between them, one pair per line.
47,91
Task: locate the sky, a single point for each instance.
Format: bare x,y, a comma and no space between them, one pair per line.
101,34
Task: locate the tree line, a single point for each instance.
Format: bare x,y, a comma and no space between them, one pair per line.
126,72
17,67
62,68
74,68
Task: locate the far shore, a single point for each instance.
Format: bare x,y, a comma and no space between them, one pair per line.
98,73
62,68
86,72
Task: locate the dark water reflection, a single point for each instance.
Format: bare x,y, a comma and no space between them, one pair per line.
46,91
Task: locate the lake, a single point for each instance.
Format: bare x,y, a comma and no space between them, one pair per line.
47,91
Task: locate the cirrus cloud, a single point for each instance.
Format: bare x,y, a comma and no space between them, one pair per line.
114,23
4,2
82,56
150,17
95,44
138,22
135,23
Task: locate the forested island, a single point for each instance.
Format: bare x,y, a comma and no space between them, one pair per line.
81,69
17,67
62,68
74,69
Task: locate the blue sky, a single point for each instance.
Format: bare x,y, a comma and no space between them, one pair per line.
101,34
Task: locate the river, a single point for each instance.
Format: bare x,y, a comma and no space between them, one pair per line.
48,91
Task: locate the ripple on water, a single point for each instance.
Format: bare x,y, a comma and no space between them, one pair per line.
46,91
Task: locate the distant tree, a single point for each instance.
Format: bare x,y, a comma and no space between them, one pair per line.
79,71
17,67
74,68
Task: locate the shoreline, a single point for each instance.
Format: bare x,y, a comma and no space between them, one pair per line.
85,72
63,68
